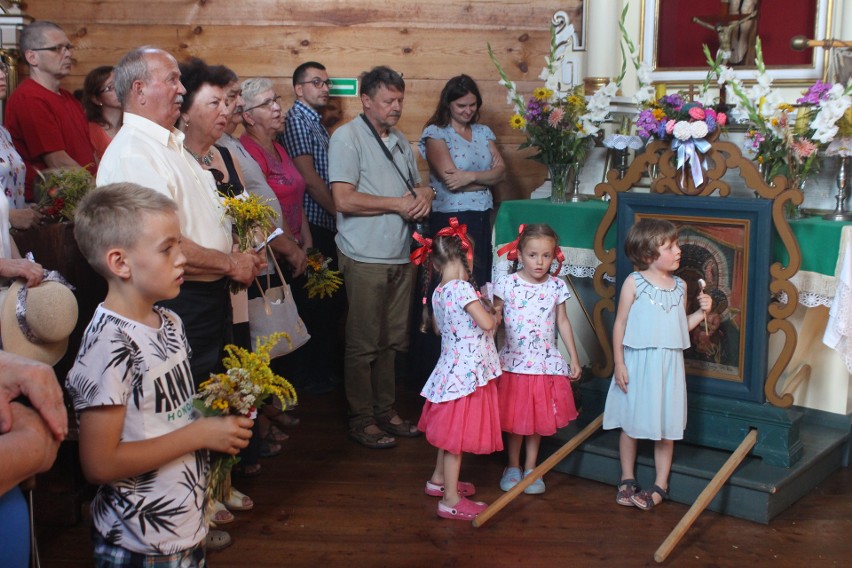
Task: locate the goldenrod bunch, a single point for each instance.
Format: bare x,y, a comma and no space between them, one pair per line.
322,281
253,218
241,390
256,365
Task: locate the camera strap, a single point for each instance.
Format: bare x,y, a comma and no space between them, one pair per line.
409,182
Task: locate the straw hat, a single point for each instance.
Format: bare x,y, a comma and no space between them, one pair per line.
50,314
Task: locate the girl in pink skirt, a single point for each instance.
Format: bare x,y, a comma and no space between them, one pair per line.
461,411
535,392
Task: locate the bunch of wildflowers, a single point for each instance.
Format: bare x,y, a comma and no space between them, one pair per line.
241,390
784,139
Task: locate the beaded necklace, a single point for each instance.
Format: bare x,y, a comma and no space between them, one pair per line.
205,160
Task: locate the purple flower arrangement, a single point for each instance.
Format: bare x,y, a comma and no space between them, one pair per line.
671,116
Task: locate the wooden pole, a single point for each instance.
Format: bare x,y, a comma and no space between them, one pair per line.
706,496
539,471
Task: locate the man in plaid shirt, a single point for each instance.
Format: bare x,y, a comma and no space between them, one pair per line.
306,141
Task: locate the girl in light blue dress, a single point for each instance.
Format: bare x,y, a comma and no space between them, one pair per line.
647,397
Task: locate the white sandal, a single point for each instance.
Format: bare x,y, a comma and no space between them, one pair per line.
221,515
238,501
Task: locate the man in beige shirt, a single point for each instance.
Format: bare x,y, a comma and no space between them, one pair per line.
148,150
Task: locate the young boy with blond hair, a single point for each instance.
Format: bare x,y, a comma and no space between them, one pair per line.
140,438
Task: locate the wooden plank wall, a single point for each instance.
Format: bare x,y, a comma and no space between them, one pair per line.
428,41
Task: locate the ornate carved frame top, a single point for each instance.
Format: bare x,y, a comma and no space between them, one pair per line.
721,157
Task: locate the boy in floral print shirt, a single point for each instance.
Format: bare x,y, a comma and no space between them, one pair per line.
140,438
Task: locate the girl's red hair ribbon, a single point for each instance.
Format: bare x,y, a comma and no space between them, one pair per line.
459,230
512,248
560,258
418,256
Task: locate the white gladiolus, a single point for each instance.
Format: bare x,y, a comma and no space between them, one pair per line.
706,99
589,127
644,73
552,83
645,93
610,89
726,75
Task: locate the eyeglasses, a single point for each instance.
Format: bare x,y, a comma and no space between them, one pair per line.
319,83
55,48
276,100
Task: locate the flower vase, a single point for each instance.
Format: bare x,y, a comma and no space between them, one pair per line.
563,184
791,210
559,182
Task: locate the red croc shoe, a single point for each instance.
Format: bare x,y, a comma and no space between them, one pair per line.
464,510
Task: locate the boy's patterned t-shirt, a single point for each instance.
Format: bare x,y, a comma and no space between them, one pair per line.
146,370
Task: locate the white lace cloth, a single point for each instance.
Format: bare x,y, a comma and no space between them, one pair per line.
815,289
838,330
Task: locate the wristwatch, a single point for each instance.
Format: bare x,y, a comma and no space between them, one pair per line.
434,191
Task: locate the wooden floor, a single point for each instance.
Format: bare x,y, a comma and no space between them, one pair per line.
328,502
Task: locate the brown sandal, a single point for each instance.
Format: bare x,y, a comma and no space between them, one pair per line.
627,488
404,429
378,441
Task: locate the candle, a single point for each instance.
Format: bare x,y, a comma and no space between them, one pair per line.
660,90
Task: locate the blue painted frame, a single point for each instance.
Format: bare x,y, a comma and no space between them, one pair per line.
755,217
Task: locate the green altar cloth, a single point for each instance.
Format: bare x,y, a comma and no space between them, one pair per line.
576,223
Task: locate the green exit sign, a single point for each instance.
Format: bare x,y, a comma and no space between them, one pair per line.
343,87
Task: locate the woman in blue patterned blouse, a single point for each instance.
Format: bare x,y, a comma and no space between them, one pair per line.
464,166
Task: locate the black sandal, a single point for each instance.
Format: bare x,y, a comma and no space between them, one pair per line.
627,488
645,498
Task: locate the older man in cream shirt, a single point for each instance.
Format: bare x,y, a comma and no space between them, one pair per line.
148,150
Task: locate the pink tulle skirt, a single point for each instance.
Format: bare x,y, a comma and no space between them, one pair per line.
468,424
535,404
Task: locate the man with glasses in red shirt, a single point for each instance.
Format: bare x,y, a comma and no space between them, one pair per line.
47,124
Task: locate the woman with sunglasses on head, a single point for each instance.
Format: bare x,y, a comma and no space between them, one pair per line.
102,107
